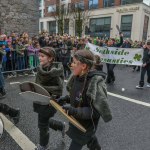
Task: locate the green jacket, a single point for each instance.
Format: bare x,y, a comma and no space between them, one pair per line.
51,78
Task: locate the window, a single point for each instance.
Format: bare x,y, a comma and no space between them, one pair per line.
66,26
126,25
40,3
80,5
51,8
78,27
93,4
100,26
40,13
145,28
108,3
63,26
64,9
52,27
125,2
41,26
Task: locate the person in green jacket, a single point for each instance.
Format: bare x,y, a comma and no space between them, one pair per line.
50,76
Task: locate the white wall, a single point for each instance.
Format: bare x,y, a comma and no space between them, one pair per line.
137,23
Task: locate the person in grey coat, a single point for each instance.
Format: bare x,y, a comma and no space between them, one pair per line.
88,101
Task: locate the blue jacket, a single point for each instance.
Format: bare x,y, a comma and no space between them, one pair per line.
3,43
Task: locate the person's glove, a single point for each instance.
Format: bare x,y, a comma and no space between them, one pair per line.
70,110
63,99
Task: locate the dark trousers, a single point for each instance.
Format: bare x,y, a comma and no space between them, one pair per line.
143,71
75,146
92,145
45,122
110,72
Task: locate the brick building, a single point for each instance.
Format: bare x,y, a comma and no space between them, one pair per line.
132,17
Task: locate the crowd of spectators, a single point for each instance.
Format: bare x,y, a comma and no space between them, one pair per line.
21,51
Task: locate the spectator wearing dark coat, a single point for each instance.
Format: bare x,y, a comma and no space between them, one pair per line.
110,67
65,57
145,66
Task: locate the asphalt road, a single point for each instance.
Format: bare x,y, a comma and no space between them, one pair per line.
129,129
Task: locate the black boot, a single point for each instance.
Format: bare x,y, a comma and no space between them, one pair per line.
13,113
2,93
57,125
108,80
138,69
113,79
93,144
17,116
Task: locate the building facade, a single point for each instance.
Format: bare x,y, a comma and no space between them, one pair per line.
19,16
106,18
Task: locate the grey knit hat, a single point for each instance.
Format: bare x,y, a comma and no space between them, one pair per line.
49,51
79,55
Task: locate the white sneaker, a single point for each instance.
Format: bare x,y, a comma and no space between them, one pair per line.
139,87
148,85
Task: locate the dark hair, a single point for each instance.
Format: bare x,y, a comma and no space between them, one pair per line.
85,56
97,59
49,51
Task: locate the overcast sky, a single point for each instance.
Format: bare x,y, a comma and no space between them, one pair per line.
146,2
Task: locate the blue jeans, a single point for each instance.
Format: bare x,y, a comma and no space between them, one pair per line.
1,79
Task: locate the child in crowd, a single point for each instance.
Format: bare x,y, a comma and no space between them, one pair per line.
37,48
31,55
50,76
88,101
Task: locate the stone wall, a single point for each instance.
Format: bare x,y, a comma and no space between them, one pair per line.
19,16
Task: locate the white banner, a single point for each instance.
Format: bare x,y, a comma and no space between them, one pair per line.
114,55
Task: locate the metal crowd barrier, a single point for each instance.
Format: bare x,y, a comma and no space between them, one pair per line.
19,61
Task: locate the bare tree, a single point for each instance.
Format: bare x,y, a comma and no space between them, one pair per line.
73,14
81,17
61,15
